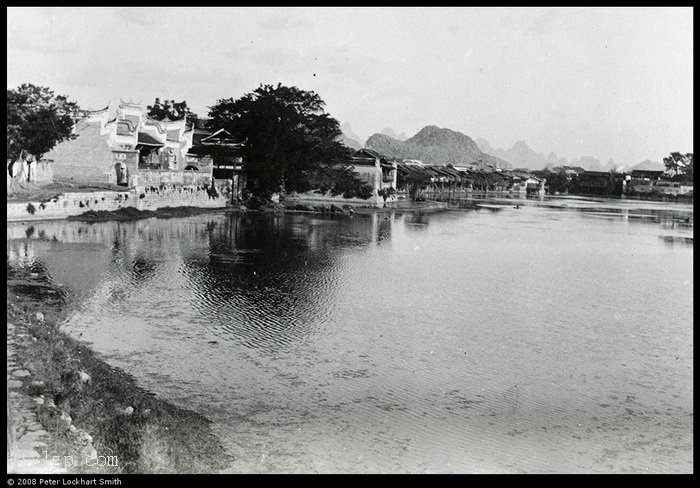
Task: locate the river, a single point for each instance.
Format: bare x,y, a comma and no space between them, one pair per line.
556,337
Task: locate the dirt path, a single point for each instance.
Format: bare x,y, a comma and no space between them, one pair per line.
27,439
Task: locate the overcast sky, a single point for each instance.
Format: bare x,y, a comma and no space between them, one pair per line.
605,82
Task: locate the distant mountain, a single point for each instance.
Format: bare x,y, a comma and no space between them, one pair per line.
485,147
589,163
648,165
434,145
351,143
553,159
610,165
522,156
349,138
347,130
388,131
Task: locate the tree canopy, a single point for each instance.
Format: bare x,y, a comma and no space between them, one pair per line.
171,110
681,165
288,133
37,120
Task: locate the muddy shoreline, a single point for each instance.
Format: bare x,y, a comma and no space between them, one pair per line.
95,415
131,214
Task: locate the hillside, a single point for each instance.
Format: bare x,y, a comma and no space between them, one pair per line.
351,143
349,138
434,145
388,131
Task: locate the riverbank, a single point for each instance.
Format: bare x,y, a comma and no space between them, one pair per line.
395,206
126,214
97,420
100,205
131,213
74,203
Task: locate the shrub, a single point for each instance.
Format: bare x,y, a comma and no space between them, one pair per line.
31,208
257,202
365,192
340,180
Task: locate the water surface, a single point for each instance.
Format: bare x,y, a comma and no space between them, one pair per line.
554,337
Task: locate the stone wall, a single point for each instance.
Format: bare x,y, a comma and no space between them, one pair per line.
76,203
157,177
87,159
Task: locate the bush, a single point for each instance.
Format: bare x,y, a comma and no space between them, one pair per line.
340,180
31,208
257,202
365,192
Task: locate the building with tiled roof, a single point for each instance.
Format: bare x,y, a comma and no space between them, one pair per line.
375,170
122,145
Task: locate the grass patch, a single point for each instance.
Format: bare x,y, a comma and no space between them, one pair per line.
132,213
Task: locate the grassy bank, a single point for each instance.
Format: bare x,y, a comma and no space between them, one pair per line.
92,409
131,213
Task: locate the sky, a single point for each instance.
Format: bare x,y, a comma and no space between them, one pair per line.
603,82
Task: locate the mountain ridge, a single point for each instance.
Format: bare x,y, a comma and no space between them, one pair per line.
435,145
522,156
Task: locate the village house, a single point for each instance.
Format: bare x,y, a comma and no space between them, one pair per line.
604,183
125,147
647,181
226,156
643,178
439,180
375,170
524,183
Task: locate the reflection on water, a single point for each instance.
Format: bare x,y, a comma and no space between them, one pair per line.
552,337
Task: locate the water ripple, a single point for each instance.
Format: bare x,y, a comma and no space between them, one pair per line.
553,338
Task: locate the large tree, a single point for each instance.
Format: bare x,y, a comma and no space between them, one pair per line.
288,135
680,165
37,120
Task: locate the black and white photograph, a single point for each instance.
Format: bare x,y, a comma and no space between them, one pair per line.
348,240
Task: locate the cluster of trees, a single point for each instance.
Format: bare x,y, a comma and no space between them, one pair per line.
339,180
37,119
559,182
172,111
680,166
289,137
